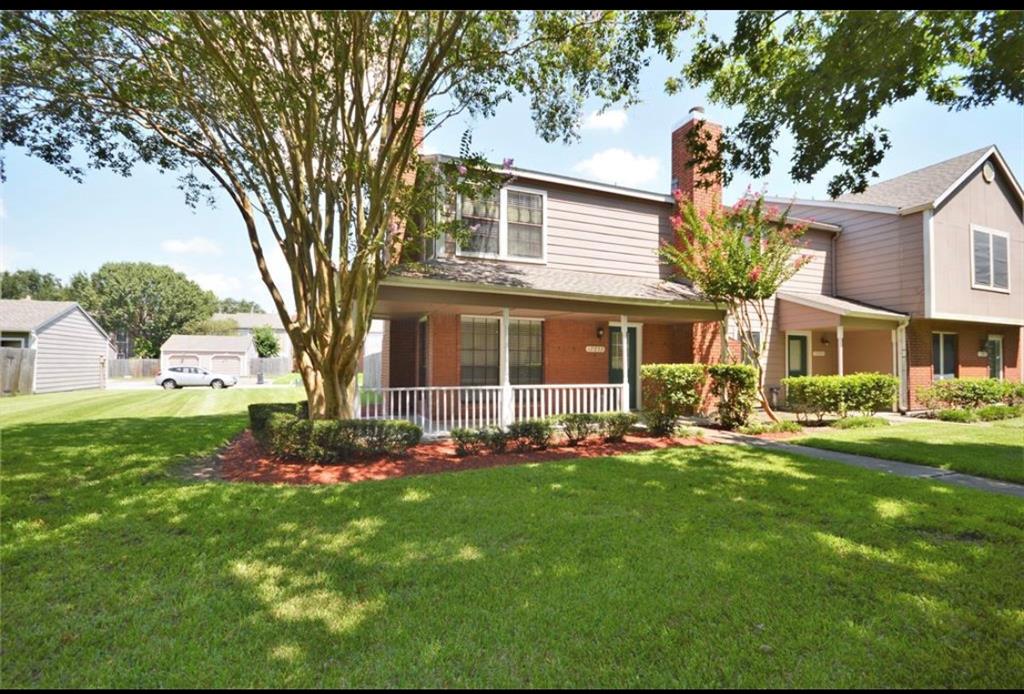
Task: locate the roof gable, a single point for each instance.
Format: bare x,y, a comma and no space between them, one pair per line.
31,315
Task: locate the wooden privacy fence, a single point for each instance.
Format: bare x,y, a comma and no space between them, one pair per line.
17,370
133,368
270,366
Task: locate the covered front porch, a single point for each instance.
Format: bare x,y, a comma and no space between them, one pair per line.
820,336
478,356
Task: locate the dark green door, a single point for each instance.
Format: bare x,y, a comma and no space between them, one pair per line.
615,361
796,348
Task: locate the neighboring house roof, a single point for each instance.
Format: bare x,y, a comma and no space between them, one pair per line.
488,274
207,343
840,306
252,320
917,190
31,315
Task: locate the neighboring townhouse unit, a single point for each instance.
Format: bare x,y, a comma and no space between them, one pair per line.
71,349
559,286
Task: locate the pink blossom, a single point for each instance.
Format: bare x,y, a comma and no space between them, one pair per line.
678,195
462,169
507,163
755,274
676,221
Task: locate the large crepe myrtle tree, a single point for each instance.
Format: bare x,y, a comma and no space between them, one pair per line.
310,122
738,258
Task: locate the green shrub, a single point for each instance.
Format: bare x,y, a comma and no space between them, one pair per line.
334,440
784,427
814,395
964,416
260,412
969,393
868,393
865,422
467,441
669,392
685,432
615,425
992,413
735,386
578,427
531,433
496,439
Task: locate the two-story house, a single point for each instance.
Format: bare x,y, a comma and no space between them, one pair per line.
558,294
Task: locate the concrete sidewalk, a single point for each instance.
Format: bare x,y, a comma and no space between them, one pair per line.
894,467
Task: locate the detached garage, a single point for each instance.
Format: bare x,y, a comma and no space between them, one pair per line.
224,354
68,346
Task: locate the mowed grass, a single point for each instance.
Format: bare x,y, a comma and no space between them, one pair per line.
717,566
988,449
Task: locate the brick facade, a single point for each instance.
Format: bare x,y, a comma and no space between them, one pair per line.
970,340
402,353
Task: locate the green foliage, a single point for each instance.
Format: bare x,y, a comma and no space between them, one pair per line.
144,349
822,78
259,414
970,393
964,416
823,395
265,341
615,425
863,422
578,427
735,386
144,300
669,392
337,440
782,427
531,433
211,326
993,413
230,305
468,441
22,284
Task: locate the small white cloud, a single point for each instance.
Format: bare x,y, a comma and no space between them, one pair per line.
621,167
613,119
199,245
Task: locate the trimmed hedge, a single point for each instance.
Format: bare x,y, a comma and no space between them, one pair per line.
969,393
578,427
784,427
612,427
735,386
524,435
989,413
259,414
823,395
336,440
669,392
615,425
531,433
866,422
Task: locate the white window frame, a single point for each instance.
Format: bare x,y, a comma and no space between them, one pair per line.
991,260
19,338
503,253
501,354
942,356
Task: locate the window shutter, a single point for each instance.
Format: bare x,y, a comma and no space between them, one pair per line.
1000,262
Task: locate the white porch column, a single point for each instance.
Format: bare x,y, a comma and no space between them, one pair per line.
839,344
901,366
625,363
508,404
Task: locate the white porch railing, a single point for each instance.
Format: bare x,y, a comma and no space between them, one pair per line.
439,409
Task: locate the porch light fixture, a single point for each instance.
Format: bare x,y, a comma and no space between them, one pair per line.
600,333
824,339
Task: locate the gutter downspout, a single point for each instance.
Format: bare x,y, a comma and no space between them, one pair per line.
901,366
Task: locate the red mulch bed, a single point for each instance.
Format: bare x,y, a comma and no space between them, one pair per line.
244,460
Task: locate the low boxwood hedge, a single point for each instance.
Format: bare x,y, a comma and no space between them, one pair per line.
335,440
819,396
970,393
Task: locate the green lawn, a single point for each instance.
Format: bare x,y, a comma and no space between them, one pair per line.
718,566
993,449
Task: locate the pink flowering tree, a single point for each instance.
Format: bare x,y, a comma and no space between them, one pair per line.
738,258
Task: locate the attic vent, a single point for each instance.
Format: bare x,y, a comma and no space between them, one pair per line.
988,173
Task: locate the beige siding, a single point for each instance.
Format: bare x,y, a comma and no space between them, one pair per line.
991,205
69,354
816,276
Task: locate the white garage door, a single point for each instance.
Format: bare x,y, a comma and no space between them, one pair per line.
231,366
183,360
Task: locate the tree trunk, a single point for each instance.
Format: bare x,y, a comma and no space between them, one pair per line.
765,403
331,389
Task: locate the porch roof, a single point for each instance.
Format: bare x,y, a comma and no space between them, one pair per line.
819,311
480,275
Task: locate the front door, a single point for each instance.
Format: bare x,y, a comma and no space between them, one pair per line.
994,347
615,361
797,357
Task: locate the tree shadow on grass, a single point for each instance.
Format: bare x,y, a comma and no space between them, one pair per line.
695,567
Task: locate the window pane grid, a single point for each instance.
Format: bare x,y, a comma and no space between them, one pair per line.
990,253
525,224
480,353
481,216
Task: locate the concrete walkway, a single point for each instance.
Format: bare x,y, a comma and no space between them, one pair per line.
879,464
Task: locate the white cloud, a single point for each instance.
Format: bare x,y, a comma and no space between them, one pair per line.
621,167
613,119
199,245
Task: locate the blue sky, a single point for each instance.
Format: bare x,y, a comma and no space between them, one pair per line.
56,225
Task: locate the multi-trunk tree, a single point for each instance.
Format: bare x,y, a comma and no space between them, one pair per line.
738,258
310,123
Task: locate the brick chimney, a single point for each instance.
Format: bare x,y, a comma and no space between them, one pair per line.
706,192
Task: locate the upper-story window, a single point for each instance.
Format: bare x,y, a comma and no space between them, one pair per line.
990,264
510,224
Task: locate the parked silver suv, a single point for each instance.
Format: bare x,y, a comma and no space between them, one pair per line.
181,376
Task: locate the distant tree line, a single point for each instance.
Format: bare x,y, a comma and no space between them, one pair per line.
141,302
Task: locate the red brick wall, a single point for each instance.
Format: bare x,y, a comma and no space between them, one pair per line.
970,339
667,344
566,359
443,347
